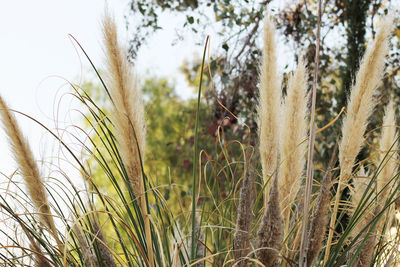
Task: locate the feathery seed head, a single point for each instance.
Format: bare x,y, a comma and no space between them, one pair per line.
29,169
361,103
293,146
128,114
270,233
269,104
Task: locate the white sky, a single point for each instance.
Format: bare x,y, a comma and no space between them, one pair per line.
37,57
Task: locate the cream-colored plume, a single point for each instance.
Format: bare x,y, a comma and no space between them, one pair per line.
29,170
128,113
269,105
293,146
361,102
128,118
360,106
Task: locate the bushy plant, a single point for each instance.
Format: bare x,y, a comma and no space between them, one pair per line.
240,214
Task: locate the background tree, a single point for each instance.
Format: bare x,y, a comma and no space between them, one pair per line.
347,26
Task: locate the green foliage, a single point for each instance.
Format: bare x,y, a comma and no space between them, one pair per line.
234,64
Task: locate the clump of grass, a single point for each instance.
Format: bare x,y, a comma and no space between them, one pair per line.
128,118
121,229
361,104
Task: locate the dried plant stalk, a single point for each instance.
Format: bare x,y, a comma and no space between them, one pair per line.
366,253
106,257
128,118
311,143
88,257
241,238
29,170
293,146
320,218
270,236
359,109
269,106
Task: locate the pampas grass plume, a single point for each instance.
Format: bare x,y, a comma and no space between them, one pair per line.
105,255
360,106
29,170
128,105
320,217
293,147
128,118
241,238
361,102
270,233
88,257
360,182
269,105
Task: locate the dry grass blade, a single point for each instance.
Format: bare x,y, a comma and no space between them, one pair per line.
29,170
269,105
270,236
360,106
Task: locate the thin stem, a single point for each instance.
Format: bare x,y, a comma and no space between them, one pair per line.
195,157
309,179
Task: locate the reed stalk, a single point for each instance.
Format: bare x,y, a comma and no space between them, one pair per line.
311,142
